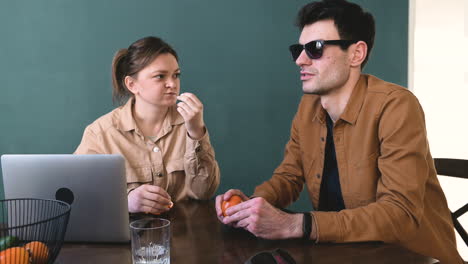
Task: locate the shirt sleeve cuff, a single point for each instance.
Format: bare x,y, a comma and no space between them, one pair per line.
197,146
129,190
328,226
315,225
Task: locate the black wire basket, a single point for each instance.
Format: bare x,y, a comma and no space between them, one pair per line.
32,230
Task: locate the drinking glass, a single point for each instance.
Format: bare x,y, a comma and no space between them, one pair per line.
151,241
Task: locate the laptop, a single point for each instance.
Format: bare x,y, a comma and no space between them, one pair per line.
94,185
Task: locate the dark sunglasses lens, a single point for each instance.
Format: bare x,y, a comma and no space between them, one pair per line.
262,258
285,255
296,50
314,50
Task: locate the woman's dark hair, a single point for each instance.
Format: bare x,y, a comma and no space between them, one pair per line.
351,21
128,62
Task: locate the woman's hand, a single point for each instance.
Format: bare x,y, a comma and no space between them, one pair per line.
149,199
191,109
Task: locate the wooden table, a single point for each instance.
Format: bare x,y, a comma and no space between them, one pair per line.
198,237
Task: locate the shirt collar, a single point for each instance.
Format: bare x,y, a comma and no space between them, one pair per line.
174,117
123,120
356,100
352,109
320,113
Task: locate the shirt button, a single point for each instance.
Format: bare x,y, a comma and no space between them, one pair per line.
318,175
155,149
159,174
322,139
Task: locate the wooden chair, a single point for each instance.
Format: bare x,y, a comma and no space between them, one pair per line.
455,168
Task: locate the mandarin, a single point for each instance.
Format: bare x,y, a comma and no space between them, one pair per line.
14,255
235,199
39,252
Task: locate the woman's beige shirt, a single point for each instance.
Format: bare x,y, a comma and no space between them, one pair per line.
184,167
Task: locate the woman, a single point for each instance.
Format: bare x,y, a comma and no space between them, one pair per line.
166,145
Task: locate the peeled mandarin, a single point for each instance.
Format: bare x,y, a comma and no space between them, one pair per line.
235,199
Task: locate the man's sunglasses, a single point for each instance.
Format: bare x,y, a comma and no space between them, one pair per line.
277,256
314,49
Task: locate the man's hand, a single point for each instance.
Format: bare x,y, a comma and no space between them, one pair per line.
259,217
191,110
149,199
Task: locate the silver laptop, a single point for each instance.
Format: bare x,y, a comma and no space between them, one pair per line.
94,185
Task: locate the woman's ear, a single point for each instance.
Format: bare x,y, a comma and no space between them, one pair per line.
130,82
359,53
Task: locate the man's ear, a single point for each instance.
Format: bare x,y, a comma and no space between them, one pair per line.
130,82
358,53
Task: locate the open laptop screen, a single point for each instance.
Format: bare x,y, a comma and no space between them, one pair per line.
94,185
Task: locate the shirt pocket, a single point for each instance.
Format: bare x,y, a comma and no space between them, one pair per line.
139,175
175,176
175,165
367,165
365,176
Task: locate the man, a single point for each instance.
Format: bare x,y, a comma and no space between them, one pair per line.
358,143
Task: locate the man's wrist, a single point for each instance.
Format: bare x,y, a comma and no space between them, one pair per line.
307,227
295,226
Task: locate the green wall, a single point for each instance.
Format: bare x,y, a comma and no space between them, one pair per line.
55,60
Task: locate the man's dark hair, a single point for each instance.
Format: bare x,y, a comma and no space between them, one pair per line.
351,21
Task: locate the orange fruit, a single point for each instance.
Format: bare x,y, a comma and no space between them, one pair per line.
169,206
14,255
39,252
235,199
152,213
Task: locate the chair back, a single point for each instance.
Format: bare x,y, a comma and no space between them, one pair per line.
455,168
